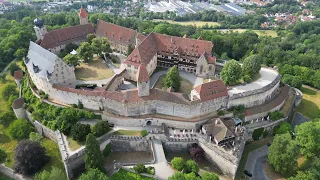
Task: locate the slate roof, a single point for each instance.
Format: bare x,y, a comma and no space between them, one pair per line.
66,35
116,33
217,129
211,90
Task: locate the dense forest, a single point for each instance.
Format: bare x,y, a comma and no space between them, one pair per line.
295,51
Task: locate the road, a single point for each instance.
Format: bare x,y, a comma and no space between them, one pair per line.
258,173
255,161
298,119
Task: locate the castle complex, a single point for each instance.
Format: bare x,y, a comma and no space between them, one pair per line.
144,105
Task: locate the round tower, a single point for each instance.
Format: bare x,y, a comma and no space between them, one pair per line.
39,28
18,108
143,81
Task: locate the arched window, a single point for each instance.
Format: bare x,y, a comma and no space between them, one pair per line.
201,68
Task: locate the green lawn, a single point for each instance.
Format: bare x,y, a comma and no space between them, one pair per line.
52,150
186,86
271,33
8,145
124,175
74,145
310,104
127,133
250,146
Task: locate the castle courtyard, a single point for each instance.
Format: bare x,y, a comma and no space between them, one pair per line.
95,69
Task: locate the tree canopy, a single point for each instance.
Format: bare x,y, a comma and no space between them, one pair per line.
93,157
54,174
20,129
308,138
3,156
95,174
251,65
177,163
283,154
71,59
231,73
172,79
85,51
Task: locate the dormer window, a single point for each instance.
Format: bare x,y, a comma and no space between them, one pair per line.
36,69
26,59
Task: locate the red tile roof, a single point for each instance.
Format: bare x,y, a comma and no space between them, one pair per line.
116,33
83,13
66,35
143,75
211,90
18,75
140,37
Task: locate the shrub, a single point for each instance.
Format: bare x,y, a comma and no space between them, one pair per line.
100,128
33,136
3,156
46,96
80,131
246,78
144,133
177,163
139,168
8,90
196,151
257,133
20,129
151,170
191,166
276,115
74,105
209,176
12,68
80,105
107,150
7,117
29,157
93,174
221,113
54,174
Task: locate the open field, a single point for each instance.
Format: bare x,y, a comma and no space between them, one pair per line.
271,33
127,133
95,69
310,104
189,23
186,86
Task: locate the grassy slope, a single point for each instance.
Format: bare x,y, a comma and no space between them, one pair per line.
127,133
310,104
188,23
74,145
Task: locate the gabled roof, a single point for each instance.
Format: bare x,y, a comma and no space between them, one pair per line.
66,35
211,90
218,129
116,33
210,59
143,75
83,13
144,52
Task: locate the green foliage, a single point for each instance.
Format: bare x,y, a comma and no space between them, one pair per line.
172,79
71,59
177,163
231,72
191,167
3,156
294,81
80,131
105,46
276,115
308,175
308,138
10,101
177,176
20,129
151,170
124,175
251,65
237,110
265,133
209,176
93,156
283,154
20,53
100,128
90,37
33,136
107,150
93,174
221,113
257,133
144,133
96,46
80,105
54,174
8,90
247,78
12,68
283,128
140,168
191,176
7,117
85,51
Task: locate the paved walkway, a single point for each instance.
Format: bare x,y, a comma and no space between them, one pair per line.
298,119
255,162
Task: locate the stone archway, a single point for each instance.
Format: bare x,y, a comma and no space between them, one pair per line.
149,123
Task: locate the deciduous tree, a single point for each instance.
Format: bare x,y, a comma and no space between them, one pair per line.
196,151
308,138
20,129
80,131
251,65
177,176
71,59
231,72
54,174
8,90
177,163
191,167
283,154
3,156
29,157
283,128
172,79
85,51
209,176
93,174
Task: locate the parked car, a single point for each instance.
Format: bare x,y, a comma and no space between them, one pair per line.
269,144
111,125
247,173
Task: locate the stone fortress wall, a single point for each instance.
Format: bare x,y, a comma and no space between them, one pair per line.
193,109
130,144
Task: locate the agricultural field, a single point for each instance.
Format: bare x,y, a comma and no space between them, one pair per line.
271,33
189,23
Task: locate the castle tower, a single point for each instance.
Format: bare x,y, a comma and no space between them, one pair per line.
143,81
39,28
83,16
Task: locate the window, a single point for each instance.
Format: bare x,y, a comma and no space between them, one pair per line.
128,65
135,67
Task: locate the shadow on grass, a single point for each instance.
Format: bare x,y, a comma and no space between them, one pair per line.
83,73
309,109
308,91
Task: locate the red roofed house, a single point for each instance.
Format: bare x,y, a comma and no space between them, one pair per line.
190,55
120,38
209,91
